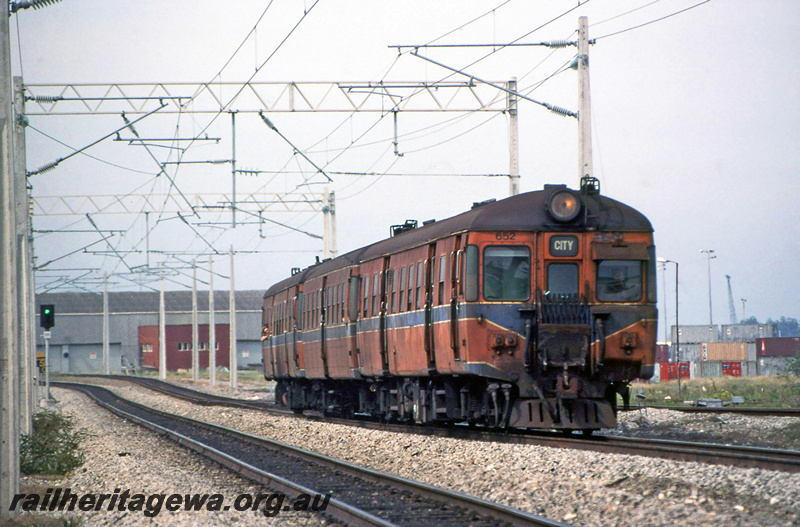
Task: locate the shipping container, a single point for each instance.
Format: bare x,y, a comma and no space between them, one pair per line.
750,369
778,347
689,352
772,366
669,371
707,370
732,368
727,351
747,332
751,352
696,334
662,353
656,374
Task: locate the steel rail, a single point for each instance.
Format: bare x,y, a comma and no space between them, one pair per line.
342,511
743,410
710,453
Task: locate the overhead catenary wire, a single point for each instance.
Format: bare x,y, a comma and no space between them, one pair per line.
353,145
552,108
172,180
50,166
88,217
556,109
654,21
42,266
30,126
160,165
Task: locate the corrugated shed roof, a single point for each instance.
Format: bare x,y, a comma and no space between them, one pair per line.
147,302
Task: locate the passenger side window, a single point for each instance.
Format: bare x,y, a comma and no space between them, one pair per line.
411,287
403,277
365,306
442,267
393,304
341,302
375,292
419,285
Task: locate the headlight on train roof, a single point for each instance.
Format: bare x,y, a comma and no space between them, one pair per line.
564,205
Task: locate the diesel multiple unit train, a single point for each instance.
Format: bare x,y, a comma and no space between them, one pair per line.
534,311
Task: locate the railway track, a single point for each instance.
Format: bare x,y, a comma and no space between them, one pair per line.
710,453
742,410
359,496
193,396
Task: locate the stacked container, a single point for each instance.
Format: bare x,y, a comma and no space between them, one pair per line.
778,347
724,351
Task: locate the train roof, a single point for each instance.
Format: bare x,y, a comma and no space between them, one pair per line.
523,212
324,267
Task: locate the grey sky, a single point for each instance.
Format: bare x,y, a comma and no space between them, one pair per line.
695,123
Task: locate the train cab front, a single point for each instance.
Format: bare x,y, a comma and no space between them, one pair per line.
588,327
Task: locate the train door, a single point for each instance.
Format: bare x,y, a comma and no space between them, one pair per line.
384,288
323,313
297,322
430,350
352,320
455,259
267,355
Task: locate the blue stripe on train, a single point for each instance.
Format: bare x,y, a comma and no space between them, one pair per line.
504,315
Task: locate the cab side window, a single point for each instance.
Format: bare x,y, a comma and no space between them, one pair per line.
619,281
506,273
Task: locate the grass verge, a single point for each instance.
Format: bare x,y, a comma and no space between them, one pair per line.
780,391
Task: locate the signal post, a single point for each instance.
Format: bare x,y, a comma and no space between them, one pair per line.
47,319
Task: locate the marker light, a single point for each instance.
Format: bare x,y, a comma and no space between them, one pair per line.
564,206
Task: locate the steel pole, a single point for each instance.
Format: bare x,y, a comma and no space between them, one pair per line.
233,358
106,331
677,334
47,365
513,137
710,256
212,329
233,169
664,285
326,224
26,329
332,240
9,316
162,333
195,332
584,100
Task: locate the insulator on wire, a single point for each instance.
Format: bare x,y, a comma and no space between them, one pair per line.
46,98
45,168
559,43
36,4
561,111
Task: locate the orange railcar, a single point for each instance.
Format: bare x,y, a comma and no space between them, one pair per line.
533,311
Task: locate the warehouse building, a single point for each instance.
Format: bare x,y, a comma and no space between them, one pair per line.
76,340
